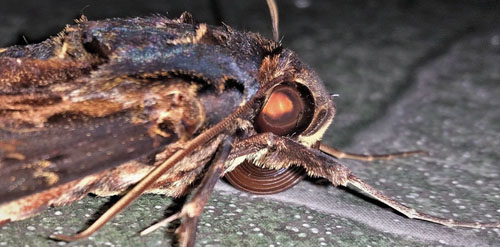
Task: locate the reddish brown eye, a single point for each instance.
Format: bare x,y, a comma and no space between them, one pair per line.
288,111
285,112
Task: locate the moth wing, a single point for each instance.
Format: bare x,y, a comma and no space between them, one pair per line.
70,148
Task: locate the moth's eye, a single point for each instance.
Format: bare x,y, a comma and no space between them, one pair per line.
286,111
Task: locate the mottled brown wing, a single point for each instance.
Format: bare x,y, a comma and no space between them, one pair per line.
106,92
69,148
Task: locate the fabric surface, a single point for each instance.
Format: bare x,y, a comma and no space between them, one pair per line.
410,76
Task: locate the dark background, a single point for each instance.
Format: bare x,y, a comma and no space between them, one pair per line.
410,75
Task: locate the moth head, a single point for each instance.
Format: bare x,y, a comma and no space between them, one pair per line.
297,105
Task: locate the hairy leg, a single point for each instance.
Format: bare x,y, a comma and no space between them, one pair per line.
339,154
410,212
192,210
283,152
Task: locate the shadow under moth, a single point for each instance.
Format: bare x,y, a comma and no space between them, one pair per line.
157,105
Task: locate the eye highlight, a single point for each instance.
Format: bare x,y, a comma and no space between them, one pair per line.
288,111
278,105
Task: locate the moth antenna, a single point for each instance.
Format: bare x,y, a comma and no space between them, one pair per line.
152,176
26,40
83,9
273,10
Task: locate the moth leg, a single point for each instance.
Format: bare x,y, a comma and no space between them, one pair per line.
191,211
410,212
339,154
283,151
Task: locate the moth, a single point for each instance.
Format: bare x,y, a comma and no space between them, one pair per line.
157,105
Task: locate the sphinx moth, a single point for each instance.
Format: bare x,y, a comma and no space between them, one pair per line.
106,102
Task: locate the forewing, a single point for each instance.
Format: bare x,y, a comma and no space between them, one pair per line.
104,93
69,148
